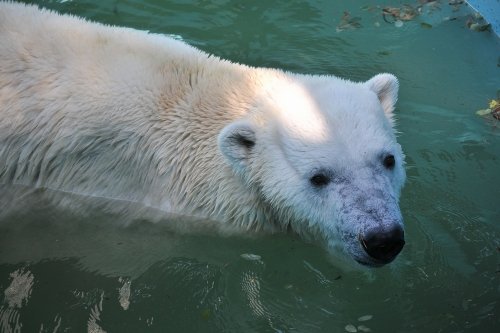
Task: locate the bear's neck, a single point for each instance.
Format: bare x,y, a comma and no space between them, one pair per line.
197,181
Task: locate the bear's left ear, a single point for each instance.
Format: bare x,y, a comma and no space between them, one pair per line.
236,142
386,87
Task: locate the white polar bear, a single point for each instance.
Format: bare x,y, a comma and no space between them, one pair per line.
119,113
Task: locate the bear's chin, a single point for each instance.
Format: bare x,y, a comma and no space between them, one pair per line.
352,257
371,263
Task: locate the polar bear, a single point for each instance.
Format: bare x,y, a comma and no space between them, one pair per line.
119,113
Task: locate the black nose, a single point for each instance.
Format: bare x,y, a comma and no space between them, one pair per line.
383,244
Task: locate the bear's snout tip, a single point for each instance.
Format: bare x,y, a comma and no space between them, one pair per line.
382,244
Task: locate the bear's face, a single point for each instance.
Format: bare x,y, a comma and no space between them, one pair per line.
322,153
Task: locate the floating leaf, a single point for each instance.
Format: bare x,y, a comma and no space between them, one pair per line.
370,8
483,112
363,328
348,22
250,256
351,328
365,318
480,27
404,13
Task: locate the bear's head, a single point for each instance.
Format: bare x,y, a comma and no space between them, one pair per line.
322,153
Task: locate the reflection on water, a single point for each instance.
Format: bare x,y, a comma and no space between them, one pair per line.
19,289
16,294
85,271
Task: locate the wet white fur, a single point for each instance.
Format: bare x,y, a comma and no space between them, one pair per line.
119,113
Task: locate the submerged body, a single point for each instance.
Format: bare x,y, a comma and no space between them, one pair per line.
118,113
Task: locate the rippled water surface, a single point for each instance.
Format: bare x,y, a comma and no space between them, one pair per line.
62,272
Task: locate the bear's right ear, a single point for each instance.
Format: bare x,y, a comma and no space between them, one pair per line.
236,142
386,87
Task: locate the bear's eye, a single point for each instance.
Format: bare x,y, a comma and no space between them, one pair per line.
389,161
320,180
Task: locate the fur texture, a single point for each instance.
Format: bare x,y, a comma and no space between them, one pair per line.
118,113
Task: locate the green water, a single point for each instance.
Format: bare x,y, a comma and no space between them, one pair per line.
76,274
